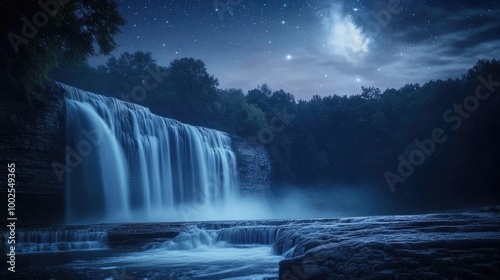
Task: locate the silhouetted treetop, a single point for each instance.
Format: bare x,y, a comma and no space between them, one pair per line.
33,33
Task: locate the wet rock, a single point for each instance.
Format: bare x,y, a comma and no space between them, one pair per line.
443,246
254,166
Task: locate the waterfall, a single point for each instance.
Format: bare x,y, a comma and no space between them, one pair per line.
264,235
126,164
38,241
195,237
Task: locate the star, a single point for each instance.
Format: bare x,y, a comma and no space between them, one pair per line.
356,35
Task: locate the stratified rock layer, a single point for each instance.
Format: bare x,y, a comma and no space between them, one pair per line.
32,136
440,246
254,166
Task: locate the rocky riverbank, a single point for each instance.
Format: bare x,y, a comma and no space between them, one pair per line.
440,246
434,246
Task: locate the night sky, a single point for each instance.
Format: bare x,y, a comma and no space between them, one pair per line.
309,47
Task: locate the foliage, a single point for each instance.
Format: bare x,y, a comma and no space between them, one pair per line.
34,33
349,139
183,90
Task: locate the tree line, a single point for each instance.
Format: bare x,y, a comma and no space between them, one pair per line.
386,139
371,137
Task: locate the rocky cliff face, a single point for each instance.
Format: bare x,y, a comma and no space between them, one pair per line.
254,167
32,136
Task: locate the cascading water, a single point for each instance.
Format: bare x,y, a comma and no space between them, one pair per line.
126,164
60,241
195,237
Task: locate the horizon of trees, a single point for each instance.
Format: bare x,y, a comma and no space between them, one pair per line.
352,139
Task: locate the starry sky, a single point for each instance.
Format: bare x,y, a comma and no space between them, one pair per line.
315,47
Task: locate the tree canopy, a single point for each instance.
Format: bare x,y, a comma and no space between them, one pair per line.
351,139
34,33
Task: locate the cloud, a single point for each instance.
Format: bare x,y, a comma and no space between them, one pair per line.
335,44
345,38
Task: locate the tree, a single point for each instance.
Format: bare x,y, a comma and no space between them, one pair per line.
131,70
370,92
33,33
258,98
194,88
190,78
131,65
233,114
483,68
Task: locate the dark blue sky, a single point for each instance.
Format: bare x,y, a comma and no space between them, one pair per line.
309,47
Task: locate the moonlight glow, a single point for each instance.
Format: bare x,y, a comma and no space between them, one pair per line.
251,44
345,38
